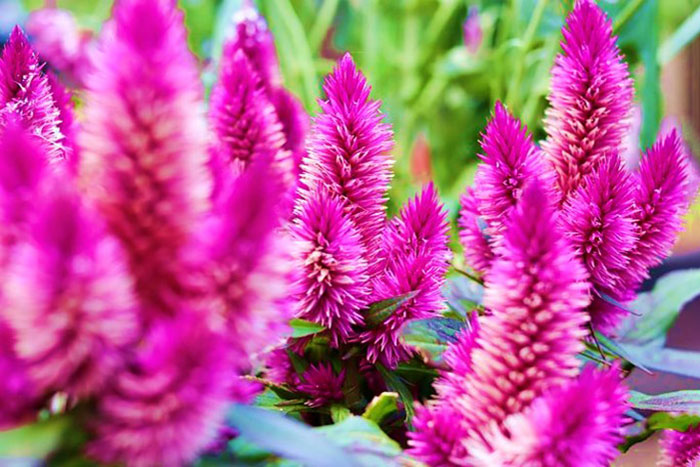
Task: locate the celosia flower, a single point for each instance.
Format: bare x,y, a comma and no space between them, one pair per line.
143,143
279,368
19,397
471,29
237,265
536,291
680,448
243,119
348,153
598,218
24,91
254,38
322,385
590,98
67,295
332,284
582,420
66,120
414,259
438,435
168,404
477,250
509,161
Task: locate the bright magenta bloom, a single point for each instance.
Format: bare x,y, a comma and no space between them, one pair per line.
67,124
169,403
590,98
333,283
415,259
348,153
477,250
322,384
19,397
24,91
580,420
438,436
67,296
144,141
680,449
536,291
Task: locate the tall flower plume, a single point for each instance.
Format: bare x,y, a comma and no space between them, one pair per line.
144,140
680,448
415,259
168,405
599,218
590,99
332,286
253,38
536,291
477,250
582,419
243,119
25,91
348,153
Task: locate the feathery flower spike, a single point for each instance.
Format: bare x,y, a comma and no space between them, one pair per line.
477,250
414,259
168,405
67,124
25,91
67,295
590,99
680,449
438,435
536,291
332,285
349,153
143,144
322,384
582,420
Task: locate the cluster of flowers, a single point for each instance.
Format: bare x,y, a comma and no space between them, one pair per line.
563,236
143,268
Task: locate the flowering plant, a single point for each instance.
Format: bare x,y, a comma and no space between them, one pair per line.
224,285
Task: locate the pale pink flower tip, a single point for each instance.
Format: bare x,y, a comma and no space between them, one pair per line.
590,99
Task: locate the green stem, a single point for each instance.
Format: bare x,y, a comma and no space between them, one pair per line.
324,19
680,38
626,14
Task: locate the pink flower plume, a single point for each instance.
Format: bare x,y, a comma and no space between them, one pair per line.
680,448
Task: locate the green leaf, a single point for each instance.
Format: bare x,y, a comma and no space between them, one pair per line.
680,38
364,441
687,401
667,421
302,328
36,440
432,335
463,294
381,406
339,413
660,307
679,362
395,383
379,311
618,350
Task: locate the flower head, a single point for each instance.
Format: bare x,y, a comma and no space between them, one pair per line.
680,448
477,250
348,153
67,124
582,419
322,385
438,435
19,397
143,144
590,98
25,91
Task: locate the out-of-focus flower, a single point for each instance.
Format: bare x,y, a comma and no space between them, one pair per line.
477,250
58,40
322,384
680,448
169,403
332,284
421,169
143,143
473,35
348,153
416,256
25,91
536,291
67,125
590,99
438,435
582,420
67,296
19,396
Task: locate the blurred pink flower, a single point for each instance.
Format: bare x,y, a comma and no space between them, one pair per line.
680,448
473,35
322,384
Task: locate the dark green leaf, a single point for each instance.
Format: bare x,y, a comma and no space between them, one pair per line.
395,383
381,406
302,328
379,311
432,335
679,401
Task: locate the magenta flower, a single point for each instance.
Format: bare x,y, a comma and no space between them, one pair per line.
414,259
471,30
477,250
322,385
24,91
536,291
438,436
680,449
582,419
333,283
168,404
144,140
348,153
509,161
19,397
590,98
67,124
243,119
67,295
